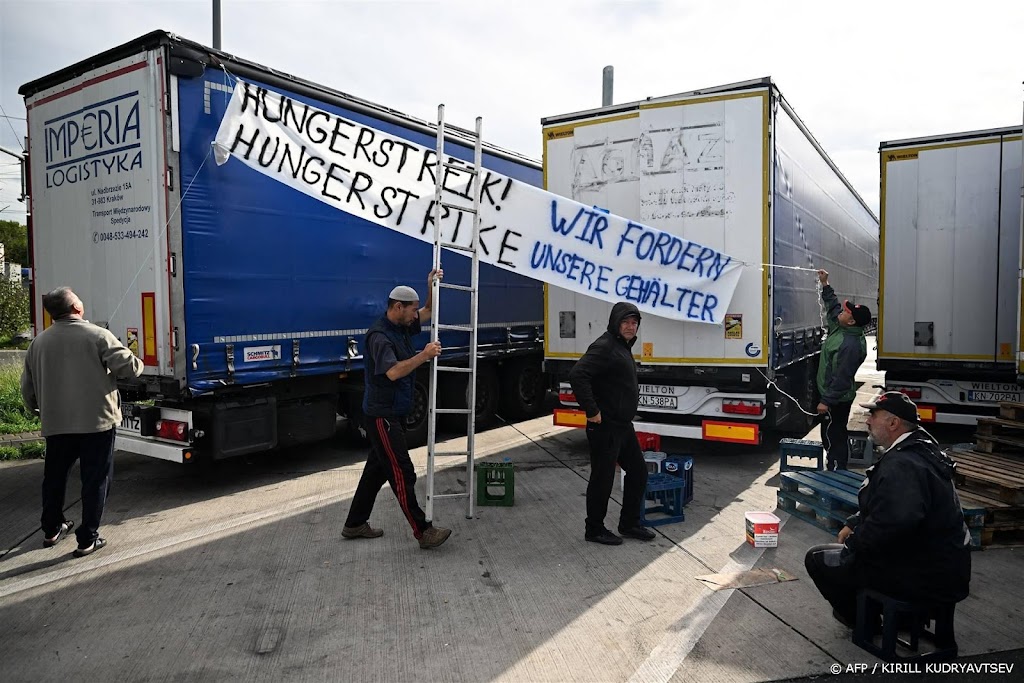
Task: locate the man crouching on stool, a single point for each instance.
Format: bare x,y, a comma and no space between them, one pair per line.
908,538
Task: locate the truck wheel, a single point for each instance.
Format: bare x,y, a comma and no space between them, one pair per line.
416,422
803,386
454,394
523,389
355,429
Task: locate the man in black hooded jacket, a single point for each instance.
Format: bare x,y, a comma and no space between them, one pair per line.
908,538
605,385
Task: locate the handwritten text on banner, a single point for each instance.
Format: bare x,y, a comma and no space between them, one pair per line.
391,182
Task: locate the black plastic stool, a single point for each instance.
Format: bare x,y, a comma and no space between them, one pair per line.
873,606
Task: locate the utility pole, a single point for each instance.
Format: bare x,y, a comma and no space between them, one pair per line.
21,160
216,24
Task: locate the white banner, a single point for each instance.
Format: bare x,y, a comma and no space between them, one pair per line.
390,181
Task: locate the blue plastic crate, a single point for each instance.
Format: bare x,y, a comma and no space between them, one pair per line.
800,448
666,492
680,466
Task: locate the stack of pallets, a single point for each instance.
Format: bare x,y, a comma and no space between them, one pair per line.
990,475
826,499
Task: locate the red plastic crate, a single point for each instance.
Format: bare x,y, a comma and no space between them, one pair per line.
648,441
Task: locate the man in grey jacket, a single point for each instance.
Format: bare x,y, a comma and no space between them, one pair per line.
70,377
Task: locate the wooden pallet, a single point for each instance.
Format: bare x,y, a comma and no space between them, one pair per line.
990,474
994,426
825,499
1000,445
1009,410
996,512
1002,538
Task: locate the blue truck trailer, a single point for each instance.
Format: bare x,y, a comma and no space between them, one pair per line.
247,301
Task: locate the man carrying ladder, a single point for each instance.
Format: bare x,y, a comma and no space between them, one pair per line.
391,364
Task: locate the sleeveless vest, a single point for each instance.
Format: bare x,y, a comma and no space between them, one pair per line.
382,397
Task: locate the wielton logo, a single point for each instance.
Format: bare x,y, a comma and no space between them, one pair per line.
900,156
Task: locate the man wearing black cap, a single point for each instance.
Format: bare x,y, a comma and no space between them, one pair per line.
842,352
390,370
908,538
604,382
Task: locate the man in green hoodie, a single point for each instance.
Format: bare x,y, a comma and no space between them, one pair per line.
842,353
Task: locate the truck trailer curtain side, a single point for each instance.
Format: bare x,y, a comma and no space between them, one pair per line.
247,301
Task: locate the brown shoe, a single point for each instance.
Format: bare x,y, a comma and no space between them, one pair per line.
364,530
434,536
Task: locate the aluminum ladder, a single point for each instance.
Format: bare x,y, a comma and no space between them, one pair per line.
440,206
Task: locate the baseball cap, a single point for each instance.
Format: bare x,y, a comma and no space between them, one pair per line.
404,294
861,313
897,403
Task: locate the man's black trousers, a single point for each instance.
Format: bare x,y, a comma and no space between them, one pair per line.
611,444
95,455
388,462
836,437
836,577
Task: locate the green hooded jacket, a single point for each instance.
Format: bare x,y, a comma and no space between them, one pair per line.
842,353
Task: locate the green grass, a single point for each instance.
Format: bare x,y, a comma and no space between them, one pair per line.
14,417
25,451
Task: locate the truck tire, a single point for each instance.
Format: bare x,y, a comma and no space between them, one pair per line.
416,422
523,389
351,406
454,394
802,385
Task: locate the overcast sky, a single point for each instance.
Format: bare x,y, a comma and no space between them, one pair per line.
856,72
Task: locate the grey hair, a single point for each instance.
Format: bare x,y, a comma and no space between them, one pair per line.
908,425
60,302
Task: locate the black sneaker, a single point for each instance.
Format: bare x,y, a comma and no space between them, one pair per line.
604,537
91,548
638,532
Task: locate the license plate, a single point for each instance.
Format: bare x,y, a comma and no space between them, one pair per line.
648,401
129,423
994,396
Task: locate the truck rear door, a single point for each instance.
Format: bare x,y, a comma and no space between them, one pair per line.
951,236
695,167
99,200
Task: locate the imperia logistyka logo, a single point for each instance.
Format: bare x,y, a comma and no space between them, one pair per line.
98,140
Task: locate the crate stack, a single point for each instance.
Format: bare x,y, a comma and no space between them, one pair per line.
990,476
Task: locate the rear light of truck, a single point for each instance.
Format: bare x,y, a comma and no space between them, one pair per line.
566,397
911,392
737,407
172,429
